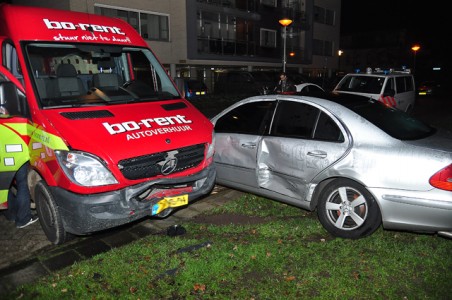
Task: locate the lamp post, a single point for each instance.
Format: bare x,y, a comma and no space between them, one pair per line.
415,49
339,54
285,22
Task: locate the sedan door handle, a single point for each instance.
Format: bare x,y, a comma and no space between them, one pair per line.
318,153
249,145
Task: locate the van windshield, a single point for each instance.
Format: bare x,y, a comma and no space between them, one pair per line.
361,84
77,75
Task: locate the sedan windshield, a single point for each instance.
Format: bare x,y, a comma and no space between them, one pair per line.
77,75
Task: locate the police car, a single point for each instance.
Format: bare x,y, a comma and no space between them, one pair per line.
392,87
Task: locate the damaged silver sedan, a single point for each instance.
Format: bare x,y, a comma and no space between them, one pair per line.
359,163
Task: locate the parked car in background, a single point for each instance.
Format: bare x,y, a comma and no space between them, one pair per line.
394,88
191,88
245,83
429,88
296,78
356,161
308,88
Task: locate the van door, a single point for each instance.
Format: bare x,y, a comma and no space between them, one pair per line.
14,135
388,96
405,94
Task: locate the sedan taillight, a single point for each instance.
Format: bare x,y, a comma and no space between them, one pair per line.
442,179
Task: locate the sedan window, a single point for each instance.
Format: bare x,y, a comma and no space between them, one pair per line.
394,122
327,129
295,120
246,119
301,120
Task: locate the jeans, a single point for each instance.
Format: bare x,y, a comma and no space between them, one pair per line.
19,205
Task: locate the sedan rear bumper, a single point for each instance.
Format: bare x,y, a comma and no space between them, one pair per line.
426,211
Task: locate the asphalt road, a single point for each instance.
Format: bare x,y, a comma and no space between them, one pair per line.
436,111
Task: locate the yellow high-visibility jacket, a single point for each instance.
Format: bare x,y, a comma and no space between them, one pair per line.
14,152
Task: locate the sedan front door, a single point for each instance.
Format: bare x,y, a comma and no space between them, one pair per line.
237,137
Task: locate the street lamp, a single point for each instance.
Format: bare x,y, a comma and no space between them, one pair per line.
415,49
339,54
285,22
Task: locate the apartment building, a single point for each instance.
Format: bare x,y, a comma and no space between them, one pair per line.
199,38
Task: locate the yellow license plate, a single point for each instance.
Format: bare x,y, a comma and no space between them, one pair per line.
176,201
168,202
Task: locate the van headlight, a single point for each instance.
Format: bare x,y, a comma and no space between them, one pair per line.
84,169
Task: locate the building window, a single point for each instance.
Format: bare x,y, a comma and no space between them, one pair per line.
329,17
154,27
151,26
268,38
222,34
319,14
272,3
323,48
295,4
323,16
317,48
328,48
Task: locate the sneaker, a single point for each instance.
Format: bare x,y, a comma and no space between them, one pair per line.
32,220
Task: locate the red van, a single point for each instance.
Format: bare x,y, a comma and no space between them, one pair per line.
110,139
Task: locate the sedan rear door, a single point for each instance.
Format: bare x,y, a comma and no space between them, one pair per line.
304,140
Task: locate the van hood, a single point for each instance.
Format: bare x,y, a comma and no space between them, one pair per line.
118,132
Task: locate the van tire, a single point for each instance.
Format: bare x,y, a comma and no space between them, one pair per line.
409,109
165,213
49,215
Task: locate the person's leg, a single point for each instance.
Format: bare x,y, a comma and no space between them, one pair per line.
22,203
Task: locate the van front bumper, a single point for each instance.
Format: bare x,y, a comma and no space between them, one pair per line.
85,214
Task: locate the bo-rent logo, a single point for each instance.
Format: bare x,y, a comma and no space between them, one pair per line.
132,125
82,26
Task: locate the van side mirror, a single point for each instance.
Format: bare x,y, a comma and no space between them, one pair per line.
9,98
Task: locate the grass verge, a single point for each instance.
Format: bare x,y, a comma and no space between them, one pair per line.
255,248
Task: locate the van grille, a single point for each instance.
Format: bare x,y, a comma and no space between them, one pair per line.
151,165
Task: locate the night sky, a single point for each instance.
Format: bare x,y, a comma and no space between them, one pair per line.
428,23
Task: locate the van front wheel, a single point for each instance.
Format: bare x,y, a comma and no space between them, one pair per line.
49,215
409,109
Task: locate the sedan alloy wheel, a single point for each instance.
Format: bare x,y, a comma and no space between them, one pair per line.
348,210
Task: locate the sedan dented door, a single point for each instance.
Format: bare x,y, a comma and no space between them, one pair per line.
303,142
295,164
235,157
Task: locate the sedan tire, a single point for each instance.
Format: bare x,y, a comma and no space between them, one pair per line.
347,210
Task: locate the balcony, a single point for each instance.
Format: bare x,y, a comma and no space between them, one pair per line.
225,47
245,5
